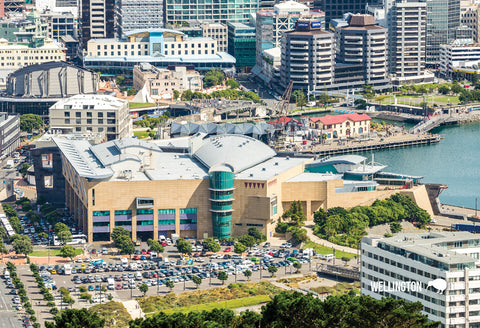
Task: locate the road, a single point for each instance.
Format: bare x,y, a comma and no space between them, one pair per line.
9,318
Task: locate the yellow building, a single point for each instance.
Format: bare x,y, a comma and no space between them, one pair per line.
218,186
14,56
342,126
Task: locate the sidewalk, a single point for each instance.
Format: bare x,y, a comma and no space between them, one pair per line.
39,305
134,309
317,240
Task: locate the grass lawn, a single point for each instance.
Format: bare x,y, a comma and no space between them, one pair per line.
446,99
320,249
140,105
140,134
230,304
112,310
53,252
218,296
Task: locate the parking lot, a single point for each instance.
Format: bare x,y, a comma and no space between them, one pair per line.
121,279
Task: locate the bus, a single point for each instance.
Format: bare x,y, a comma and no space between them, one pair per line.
76,240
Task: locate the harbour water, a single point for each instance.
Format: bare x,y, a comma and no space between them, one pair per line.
455,162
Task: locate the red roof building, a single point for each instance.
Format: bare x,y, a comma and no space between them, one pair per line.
345,125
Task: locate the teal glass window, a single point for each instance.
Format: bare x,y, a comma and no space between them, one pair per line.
188,221
123,223
144,212
101,224
188,210
145,222
101,213
166,211
164,222
125,212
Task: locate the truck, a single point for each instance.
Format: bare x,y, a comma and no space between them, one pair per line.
175,238
67,269
110,283
9,164
124,262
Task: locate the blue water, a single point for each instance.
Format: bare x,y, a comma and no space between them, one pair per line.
455,162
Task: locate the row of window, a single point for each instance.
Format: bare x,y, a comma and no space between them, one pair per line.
88,114
144,222
146,211
185,52
89,121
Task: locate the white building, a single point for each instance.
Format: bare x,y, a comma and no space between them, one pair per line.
91,114
459,56
14,56
218,32
133,15
441,270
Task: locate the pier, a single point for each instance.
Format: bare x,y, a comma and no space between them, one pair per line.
338,271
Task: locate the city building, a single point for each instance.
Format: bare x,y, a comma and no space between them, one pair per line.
91,113
220,187
10,133
218,32
24,28
133,15
459,56
35,88
241,45
179,12
337,8
160,83
438,269
97,20
60,24
270,24
442,20
469,14
407,37
308,56
71,46
159,47
362,46
16,55
342,126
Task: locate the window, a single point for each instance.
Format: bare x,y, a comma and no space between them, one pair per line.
89,114
93,197
78,121
89,121
78,114
100,121
123,212
101,213
48,181
67,114
111,114
100,114
140,212
67,121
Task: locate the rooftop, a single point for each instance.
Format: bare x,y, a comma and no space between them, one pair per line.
315,177
270,168
337,119
100,102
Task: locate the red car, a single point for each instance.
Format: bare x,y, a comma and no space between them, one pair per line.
119,286
164,243
228,249
144,252
136,257
94,251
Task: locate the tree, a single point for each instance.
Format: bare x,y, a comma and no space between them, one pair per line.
24,169
125,245
169,283
64,236
74,318
272,269
444,89
68,251
3,232
176,94
367,91
42,235
295,214
197,280
59,227
30,122
143,288
213,77
240,248
255,233
297,265
22,245
222,276
184,246
211,245
155,246
187,95
395,227
247,273
119,232
232,84
456,88
119,80
300,235
300,98
247,240
131,92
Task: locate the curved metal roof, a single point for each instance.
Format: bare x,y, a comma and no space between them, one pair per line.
240,152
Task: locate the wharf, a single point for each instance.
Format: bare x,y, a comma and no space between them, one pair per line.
345,147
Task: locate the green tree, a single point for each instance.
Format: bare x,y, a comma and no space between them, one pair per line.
255,233
42,235
240,248
59,227
143,288
222,276
300,235
247,240
456,88
184,246
68,251
187,95
213,77
300,98
125,245
176,94
119,80
3,232
444,89
119,232
24,169
211,245
31,122
247,274
73,318
131,92
169,283
232,84
155,246
22,245
197,281
297,265
272,269
367,91
295,214
64,236
395,227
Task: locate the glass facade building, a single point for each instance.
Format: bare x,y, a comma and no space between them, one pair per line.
221,202
178,12
241,45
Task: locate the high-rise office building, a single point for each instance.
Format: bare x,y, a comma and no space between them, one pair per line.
96,20
133,15
241,45
362,47
178,12
308,55
337,8
407,37
443,18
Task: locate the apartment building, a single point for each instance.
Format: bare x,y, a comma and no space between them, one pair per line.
91,113
439,269
459,56
14,55
133,15
218,32
96,20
